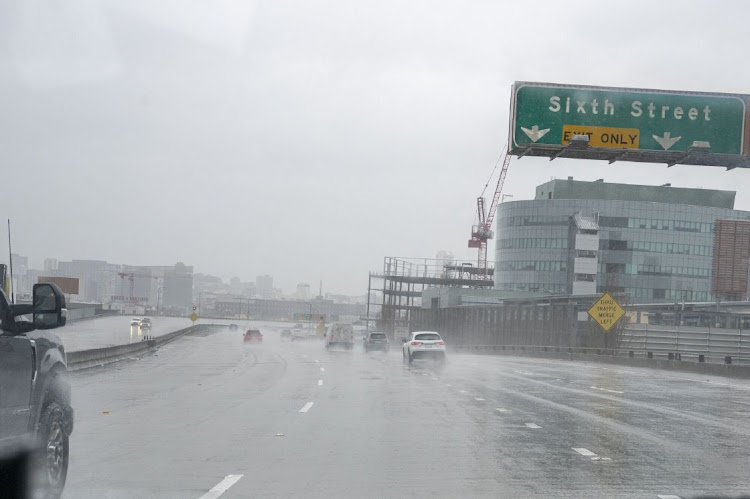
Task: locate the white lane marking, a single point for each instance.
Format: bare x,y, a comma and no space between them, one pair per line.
305,356
524,372
221,487
306,407
462,391
435,379
606,390
479,399
448,384
668,496
316,361
322,369
500,409
584,452
532,425
320,382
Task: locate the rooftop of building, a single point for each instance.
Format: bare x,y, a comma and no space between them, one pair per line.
578,189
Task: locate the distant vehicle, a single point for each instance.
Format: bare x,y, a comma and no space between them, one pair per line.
286,335
299,326
377,340
135,321
145,323
340,335
299,335
253,336
421,344
233,327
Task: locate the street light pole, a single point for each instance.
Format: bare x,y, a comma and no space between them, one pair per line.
310,322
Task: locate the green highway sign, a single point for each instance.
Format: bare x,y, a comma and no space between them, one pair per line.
629,124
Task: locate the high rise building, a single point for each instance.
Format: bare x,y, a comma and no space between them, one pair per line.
50,264
264,286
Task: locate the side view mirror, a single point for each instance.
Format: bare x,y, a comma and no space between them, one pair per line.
48,306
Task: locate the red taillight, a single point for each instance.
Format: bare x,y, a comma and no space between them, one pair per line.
416,343
440,343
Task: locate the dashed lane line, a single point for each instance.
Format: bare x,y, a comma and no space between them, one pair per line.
306,407
532,425
221,487
606,390
320,382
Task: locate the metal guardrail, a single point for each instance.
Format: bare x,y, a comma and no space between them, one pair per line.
664,351
713,345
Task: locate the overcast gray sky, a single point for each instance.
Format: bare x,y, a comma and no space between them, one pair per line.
307,140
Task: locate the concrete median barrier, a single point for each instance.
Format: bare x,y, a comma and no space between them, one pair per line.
97,357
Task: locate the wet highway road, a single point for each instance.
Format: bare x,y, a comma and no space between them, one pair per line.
289,420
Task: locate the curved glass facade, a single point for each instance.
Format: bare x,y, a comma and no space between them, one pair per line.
655,252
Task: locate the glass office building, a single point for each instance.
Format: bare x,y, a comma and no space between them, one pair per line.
655,243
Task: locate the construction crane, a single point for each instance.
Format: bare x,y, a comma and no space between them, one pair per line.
482,231
131,277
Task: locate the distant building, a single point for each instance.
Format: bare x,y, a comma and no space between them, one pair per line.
264,286
50,264
283,309
96,278
303,291
167,288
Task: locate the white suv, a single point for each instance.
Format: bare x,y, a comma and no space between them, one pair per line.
424,344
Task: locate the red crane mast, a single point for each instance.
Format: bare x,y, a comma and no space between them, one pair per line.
482,231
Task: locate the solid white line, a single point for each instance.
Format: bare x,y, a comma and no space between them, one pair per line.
500,409
306,407
583,451
320,382
668,496
322,369
479,399
221,487
532,425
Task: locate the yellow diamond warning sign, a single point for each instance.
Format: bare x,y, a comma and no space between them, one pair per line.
193,317
606,311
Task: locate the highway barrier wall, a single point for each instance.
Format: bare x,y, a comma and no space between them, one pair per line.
95,357
619,357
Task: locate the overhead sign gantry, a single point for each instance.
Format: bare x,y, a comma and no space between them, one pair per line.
625,124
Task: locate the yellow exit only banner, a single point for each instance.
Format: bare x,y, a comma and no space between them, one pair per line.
599,136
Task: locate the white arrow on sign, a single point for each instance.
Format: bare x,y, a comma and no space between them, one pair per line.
667,141
535,134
